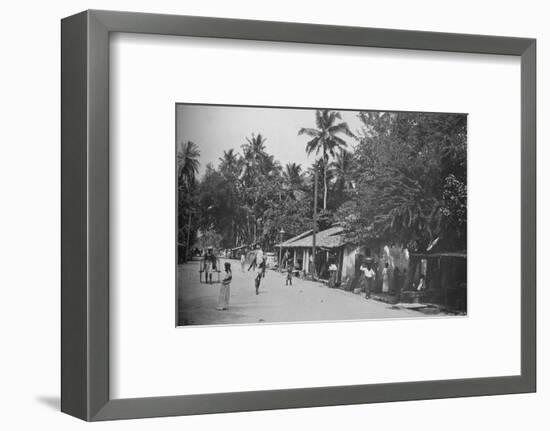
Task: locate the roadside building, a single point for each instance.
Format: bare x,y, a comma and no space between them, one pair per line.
443,272
331,247
444,275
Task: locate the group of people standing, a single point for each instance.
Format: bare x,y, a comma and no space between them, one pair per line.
392,280
209,266
258,265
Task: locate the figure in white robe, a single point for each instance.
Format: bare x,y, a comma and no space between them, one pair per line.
225,288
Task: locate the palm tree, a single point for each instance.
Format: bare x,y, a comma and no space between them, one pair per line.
256,143
229,158
342,167
325,139
258,168
230,164
253,153
187,157
293,177
230,168
188,163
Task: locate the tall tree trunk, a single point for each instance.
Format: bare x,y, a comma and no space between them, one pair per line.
325,184
313,248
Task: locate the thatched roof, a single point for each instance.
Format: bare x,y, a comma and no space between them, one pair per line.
291,240
330,238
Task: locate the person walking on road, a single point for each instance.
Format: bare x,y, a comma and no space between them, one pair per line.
258,278
223,298
258,264
258,258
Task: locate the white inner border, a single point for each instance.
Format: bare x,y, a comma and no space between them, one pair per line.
150,357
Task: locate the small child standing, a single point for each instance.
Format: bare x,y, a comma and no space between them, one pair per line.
223,299
289,270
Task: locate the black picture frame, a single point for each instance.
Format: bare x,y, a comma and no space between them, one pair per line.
85,214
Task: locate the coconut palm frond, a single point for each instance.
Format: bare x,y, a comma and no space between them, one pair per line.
313,145
319,118
309,132
341,128
188,161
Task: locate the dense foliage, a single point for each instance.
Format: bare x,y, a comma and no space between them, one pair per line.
409,180
400,179
326,139
187,160
249,197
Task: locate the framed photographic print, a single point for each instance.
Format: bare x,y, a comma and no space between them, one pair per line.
264,215
378,226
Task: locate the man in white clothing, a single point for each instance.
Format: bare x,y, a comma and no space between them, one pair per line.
258,264
368,278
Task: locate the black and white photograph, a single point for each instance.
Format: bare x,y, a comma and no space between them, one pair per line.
275,215
316,214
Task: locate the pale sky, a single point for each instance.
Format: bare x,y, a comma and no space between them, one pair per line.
218,128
